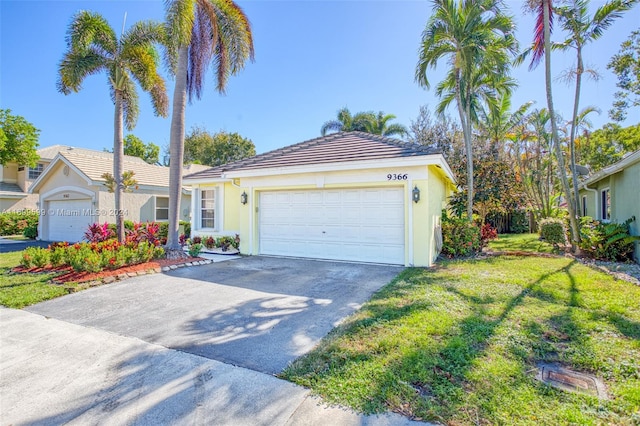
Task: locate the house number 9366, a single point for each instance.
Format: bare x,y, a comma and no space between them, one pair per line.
397,176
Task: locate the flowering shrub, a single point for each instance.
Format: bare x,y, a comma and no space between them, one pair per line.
459,237
487,233
183,240
210,243
16,222
195,249
92,257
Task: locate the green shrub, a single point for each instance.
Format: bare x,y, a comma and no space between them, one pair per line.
26,260
607,241
459,236
553,231
83,258
40,257
57,256
163,229
195,249
31,231
14,223
519,222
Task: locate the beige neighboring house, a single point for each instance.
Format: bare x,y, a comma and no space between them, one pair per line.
71,194
15,180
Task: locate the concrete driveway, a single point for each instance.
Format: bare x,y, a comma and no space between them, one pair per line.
256,312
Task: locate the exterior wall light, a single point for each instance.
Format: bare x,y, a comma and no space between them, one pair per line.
243,198
415,194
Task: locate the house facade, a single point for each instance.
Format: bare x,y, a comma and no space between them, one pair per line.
71,193
613,194
346,196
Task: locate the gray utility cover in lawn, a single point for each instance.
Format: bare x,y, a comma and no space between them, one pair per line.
257,312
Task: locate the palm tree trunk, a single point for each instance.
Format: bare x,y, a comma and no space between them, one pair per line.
118,164
554,127
572,137
176,153
466,132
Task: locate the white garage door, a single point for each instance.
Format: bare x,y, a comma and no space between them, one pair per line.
68,220
363,225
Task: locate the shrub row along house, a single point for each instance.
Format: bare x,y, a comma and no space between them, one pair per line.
346,196
613,194
68,190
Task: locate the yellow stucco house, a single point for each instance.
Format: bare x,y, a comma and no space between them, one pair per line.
71,193
346,196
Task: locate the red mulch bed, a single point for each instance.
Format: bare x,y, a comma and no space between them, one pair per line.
67,274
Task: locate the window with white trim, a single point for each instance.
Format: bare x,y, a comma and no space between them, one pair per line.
207,208
162,208
605,203
35,172
584,205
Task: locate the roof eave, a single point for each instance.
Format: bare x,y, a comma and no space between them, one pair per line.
612,169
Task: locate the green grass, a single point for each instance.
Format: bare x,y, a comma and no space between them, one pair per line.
458,343
520,242
20,290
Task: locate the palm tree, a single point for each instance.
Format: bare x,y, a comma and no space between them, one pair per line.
541,48
377,125
347,122
497,121
200,33
92,47
475,38
583,29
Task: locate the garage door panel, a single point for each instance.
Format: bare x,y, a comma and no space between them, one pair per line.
67,220
356,224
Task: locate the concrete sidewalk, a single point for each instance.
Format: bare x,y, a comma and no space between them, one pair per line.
54,372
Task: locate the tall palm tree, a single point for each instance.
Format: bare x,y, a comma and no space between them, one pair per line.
475,38
347,122
582,30
496,121
200,33
378,125
92,47
541,48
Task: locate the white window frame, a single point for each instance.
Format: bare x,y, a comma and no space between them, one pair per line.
605,207
39,168
155,209
216,216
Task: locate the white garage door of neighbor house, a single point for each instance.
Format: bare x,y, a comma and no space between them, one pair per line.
68,219
362,225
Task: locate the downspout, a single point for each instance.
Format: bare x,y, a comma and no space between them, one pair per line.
595,195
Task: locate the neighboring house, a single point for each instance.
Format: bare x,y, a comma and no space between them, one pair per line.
613,194
15,180
71,193
346,196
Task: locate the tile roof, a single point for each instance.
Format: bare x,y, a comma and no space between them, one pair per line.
94,166
48,153
334,148
11,189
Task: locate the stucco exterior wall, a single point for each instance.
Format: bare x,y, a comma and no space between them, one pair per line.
10,173
420,218
625,199
30,202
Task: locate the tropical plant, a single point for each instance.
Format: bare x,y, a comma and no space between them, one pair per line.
541,48
92,46
475,37
347,122
377,124
583,29
607,241
496,121
200,33
626,65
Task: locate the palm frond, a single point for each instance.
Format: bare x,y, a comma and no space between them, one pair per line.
89,29
75,67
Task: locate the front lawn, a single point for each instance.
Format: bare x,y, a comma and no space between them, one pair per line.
20,290
459,343
520,243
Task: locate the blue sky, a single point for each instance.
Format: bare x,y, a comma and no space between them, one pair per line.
312,58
